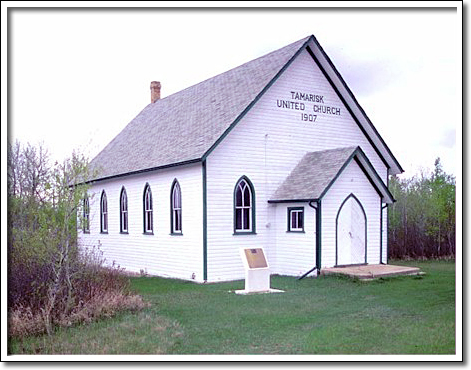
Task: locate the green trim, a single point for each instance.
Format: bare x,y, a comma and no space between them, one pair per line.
252,190
318,235
86,215
355,118
175,181
337,228
375,173
123,190
183,163
292,200
357,153
102,231
387,224
347,162
380,232
145,232
205,223
362,167
349,92
257,98
288,227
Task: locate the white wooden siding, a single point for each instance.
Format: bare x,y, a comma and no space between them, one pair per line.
296,252
351,181
265,146
161,254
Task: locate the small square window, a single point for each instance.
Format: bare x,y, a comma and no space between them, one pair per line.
296,219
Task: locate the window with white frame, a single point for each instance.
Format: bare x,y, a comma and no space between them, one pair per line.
86,215
103,213
123,211
296,219
176,208
148,216
244,215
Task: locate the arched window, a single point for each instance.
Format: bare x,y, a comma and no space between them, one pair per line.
244,207
123,211
176,208
103,213
86,215
148,219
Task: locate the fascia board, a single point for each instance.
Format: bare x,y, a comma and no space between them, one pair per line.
257,98
344,90
370,173
373,176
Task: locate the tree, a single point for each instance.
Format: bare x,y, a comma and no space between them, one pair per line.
422,221
50,281
43,204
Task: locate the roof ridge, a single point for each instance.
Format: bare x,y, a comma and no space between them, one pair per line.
305,39
183,126
335,149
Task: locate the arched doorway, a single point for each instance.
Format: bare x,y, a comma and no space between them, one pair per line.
351,232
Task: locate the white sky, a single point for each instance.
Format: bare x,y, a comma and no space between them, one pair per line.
77,77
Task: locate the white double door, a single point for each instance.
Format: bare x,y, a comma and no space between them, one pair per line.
351,233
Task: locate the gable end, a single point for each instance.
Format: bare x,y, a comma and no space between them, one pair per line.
257,98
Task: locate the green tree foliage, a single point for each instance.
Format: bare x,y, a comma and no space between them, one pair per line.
50,281
422,220
42,233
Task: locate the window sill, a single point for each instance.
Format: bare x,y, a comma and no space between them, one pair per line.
85,232
296,231
148,233
176,234
124,232
103,232
245,233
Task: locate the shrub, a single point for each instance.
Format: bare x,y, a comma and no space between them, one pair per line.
98,291
51,282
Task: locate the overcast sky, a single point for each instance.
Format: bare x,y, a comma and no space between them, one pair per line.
77,78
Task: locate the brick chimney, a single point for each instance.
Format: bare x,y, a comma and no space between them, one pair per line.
154,91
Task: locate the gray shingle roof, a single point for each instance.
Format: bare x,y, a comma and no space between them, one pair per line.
311,176
317,171
184,126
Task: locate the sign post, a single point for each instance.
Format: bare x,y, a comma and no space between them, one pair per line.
257,272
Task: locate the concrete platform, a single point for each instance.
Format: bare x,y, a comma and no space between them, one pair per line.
244,292
369,272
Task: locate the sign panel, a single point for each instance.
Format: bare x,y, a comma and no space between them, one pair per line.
255,258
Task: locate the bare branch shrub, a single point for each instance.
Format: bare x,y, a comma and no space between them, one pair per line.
51,282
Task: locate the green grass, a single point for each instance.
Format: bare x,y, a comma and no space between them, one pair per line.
327,315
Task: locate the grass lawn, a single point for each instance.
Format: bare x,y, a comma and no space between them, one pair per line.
326,315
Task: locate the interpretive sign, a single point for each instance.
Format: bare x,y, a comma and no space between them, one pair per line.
255,258
257,272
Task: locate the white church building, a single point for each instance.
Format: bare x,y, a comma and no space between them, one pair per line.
276,153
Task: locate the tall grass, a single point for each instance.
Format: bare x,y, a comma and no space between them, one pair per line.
97,291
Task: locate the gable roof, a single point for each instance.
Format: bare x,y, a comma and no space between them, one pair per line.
316,172
182,127
186,126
